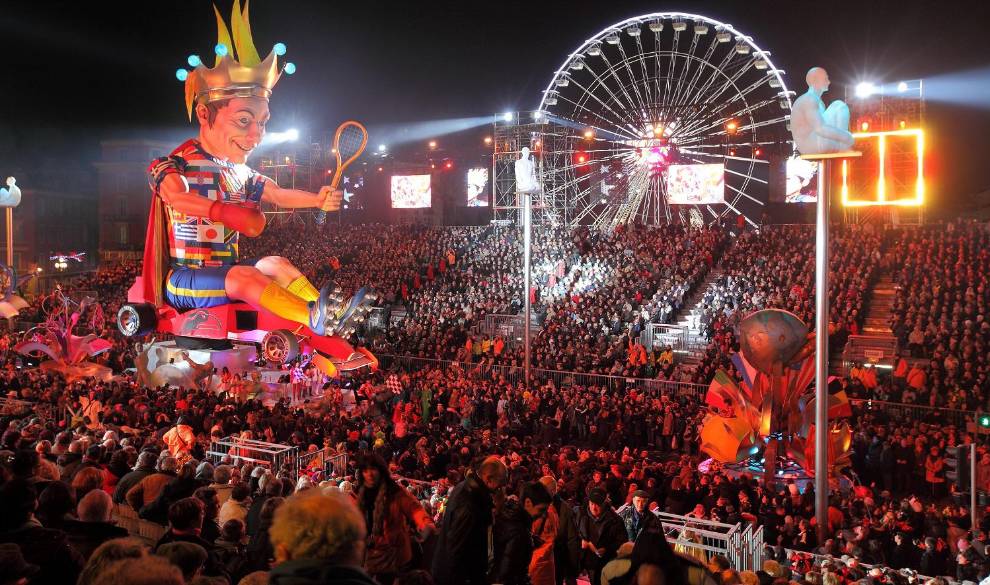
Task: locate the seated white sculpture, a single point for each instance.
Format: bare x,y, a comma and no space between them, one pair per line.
815,128
526,173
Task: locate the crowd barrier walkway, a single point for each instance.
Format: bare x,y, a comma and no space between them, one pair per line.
514,375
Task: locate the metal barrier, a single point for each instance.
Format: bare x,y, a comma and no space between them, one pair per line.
741,543
661,335
510,327
322,465
514,374
274,456
917,412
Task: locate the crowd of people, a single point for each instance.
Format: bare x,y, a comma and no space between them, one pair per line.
564,474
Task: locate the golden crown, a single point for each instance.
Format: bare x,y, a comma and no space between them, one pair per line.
238,70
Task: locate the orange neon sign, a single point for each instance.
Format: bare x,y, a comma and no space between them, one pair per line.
890,172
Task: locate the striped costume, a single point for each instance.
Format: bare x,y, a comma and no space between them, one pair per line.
202,251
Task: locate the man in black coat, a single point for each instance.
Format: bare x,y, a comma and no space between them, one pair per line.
637,519
512,539
461,556
40,546
602,533
145,467
567,544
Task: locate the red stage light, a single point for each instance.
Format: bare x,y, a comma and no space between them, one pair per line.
758,152
582,158
449,165
732,153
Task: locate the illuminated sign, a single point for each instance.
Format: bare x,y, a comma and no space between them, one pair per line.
890,172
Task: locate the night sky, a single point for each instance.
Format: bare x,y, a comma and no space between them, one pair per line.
79,71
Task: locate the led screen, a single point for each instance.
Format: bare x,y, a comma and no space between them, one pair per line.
477,187
696,184
411,191
801,185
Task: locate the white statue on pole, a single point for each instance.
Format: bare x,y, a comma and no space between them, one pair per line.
815,128
526,173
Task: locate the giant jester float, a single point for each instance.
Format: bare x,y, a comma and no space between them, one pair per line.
194,284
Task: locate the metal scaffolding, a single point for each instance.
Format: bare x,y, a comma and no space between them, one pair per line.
546,142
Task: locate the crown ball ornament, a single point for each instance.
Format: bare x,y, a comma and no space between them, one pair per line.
238,70
181,74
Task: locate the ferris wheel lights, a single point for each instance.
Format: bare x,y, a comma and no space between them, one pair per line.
612,39
701,28
551,101
678,26
562,81
723,36
761,64
577,64
784,105
742,47
634,31
594,50
774,82
656,26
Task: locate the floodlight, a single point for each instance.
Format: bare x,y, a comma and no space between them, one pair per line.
865,89
507,116
902,86
292,134
382,148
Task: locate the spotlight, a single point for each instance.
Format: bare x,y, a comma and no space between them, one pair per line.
380,169
732,126
864,126
507,116
538,114
865,89
582,158
448,165
589,134
432,144
488,140
903,124
902,87
292,134
758,152
382,148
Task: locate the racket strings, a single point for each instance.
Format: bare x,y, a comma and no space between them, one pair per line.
350,142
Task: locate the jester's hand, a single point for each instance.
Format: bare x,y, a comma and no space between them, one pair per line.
329,198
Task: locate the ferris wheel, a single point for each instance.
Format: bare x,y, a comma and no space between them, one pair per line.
663,117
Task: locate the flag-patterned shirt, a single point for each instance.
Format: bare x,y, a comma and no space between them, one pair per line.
197,242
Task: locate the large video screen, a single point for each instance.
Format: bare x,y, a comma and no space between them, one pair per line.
696,184
801,184
411,191
477,187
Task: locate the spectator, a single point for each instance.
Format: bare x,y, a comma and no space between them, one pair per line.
461,557
38,545
388,510
512,540
319,538
94,526
237,506
602,533
145,466
108,553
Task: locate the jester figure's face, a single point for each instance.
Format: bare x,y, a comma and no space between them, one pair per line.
230,130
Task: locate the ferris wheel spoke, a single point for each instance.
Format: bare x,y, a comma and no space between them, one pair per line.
610,70
614,123
689,59
637,106
626,106
632,80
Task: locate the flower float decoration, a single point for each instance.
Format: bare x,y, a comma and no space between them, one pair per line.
770,413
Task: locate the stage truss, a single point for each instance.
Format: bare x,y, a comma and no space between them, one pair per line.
644,94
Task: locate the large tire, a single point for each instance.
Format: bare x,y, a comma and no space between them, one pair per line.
279,346
137,319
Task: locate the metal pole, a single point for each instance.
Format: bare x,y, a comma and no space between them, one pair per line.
821,353
972,485
527,242
10,237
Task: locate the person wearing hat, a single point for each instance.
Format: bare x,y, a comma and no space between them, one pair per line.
602,533
637,518
388,510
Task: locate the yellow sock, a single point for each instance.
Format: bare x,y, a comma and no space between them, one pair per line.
284,304
304,289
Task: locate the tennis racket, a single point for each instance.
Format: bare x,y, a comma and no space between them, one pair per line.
348,143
